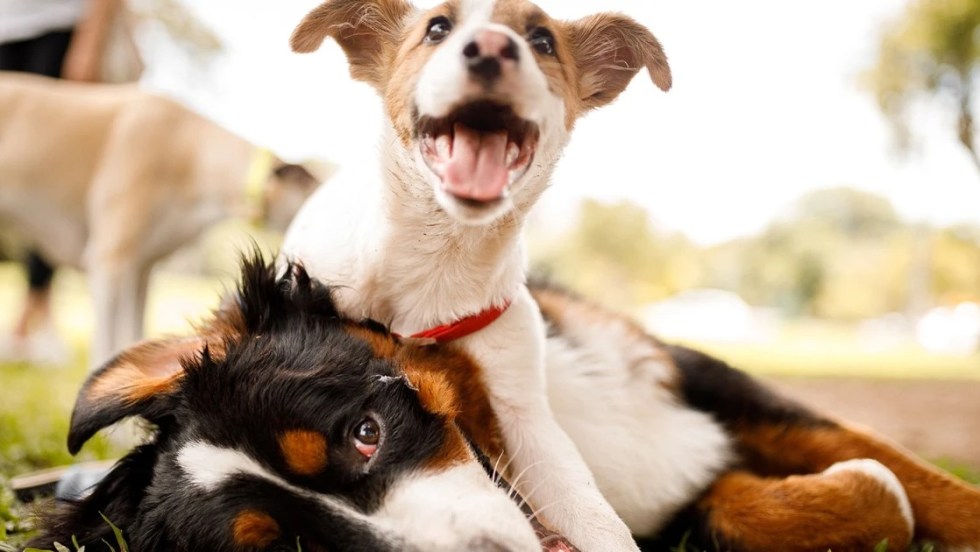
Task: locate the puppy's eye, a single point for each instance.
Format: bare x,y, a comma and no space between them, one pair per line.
542,41
367,435
438,30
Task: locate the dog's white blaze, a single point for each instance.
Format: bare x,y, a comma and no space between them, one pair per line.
476,9
209,466
469,509
883,475
649,453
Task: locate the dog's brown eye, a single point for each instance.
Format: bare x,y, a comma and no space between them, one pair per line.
367,435
542,41
439,29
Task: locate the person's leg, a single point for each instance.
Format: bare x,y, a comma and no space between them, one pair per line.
37,307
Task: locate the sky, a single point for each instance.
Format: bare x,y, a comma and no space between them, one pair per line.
767,104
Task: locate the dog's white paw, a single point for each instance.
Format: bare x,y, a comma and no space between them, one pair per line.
878,471
600,531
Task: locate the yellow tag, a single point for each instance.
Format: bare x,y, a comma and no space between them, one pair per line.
259,171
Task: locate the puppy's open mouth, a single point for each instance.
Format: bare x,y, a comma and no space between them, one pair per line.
478,150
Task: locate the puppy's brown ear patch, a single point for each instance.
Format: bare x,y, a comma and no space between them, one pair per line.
367,30
610,49
305,451
254,529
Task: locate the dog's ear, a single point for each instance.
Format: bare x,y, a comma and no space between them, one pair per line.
610,49
296,175
138,382
367,30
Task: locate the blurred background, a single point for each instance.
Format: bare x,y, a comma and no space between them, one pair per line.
804,203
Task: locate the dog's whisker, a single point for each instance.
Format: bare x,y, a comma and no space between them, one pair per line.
495,475
517,480
526,497
536,513
510,459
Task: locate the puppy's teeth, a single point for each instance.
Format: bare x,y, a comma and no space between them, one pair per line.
444,146
513,152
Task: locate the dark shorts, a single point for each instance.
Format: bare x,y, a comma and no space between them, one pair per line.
43,55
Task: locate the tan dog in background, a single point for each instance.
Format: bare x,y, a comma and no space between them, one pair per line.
111,179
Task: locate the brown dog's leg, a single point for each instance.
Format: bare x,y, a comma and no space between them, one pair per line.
854,506
946,509
779,437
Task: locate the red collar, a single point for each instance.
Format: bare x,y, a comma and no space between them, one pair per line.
462,327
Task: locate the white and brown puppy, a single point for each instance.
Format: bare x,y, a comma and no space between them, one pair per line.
111,179
481,97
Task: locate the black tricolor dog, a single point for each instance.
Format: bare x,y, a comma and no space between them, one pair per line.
282,425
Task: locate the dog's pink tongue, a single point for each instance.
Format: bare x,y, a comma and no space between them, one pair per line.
477,168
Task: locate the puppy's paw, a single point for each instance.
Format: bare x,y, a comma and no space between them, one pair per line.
601,532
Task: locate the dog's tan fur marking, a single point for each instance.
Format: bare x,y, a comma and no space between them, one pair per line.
435,391
945,509
147,370
464,380
254,529
454,451
305,451
384,346
843,511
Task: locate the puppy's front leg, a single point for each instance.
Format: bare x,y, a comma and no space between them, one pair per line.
545,464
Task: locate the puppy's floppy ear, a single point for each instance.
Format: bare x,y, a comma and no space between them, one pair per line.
610,49
139,381
367,30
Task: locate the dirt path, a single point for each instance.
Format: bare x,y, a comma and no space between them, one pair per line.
936,419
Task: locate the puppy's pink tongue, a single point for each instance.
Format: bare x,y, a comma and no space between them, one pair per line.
477,168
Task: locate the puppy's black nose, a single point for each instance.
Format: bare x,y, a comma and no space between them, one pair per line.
487,69
489,54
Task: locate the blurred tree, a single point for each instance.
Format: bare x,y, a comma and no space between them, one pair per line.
955,267
614,255
853,213
831,256
839,253
932,51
